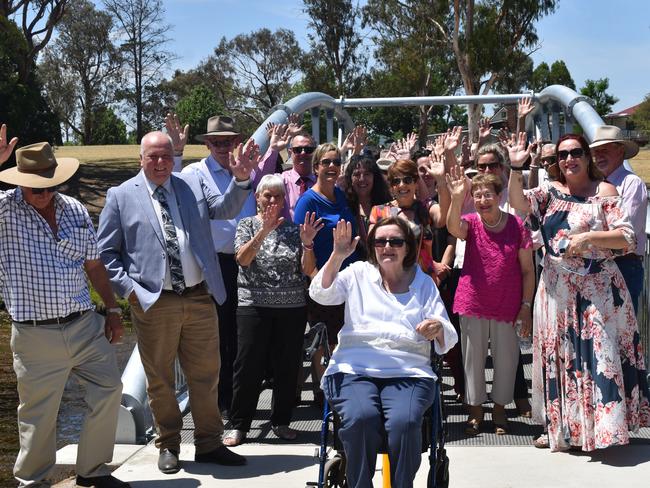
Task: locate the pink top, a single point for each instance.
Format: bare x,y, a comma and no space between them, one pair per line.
490,284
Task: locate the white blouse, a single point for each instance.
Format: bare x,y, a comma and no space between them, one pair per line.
378,338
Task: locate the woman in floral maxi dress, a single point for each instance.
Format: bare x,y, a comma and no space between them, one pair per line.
589,380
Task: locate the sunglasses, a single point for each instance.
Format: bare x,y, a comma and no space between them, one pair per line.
38,191
407,180
395,242
328,162
483,167
303,149
222,142
548,159
576,152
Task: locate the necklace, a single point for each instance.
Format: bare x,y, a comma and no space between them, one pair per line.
495,225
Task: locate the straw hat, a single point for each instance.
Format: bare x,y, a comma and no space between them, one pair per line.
36,167
607,134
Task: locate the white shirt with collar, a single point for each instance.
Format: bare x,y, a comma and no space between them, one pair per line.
218,179
191,269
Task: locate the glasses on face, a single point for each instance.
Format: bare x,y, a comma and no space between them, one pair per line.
407,180
485,166
302,149
393,242
38,191
487,196
328,162
222,142
576,152
548,159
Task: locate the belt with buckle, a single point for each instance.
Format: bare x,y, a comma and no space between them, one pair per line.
187,290
56,320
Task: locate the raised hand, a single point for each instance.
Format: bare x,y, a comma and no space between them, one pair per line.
6,148
484,129
436,166
344,244
360,139
278,136
248,157
177,132
457,182
271,218
310,228
453,138
524,107
535,153
411,141
439,146
504,136
465,153
517,150
294,124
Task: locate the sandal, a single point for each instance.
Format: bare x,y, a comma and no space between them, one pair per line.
473,424
541,442
523,407
500,420
234,438
285,432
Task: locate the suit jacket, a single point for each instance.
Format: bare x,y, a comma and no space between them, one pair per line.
132,244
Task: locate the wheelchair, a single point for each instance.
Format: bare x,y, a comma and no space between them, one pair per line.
331,467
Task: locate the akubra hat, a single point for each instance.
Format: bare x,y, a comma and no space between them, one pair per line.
219,125
606,134
36,167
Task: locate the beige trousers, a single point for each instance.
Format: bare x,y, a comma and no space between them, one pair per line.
184,326
475,334
44,356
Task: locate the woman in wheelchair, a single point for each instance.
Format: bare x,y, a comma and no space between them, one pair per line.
379,379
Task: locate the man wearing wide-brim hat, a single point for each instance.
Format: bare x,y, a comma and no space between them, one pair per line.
609,150
48,249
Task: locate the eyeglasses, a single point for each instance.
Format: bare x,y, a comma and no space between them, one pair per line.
394,242
38,191
407,180
576,152
483,167
486,195
328,162
303,149
548,159
222,142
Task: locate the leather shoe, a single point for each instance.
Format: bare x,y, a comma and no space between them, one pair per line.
168,461
221,455
102,482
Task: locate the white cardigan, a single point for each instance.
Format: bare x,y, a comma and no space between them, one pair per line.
378,338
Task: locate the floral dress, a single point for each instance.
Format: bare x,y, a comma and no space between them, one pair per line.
589,380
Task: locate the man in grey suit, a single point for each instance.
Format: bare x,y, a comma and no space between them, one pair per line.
154,239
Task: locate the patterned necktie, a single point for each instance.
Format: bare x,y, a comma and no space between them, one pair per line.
302,183
171,242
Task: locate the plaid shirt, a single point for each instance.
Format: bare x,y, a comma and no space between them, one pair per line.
42,276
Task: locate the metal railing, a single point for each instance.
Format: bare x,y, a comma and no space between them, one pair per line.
557,109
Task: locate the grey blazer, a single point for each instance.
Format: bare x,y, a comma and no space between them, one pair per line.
131,242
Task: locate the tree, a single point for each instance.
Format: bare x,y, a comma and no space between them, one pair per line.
541,77
557,74
82,60
597,91
144,34
22,106
109,128
257,71
338,57
37,21
641,117
196,108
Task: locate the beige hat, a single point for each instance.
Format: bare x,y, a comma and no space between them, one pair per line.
36,167
606,134
219,125
384,161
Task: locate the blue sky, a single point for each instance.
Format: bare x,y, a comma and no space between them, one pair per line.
595,38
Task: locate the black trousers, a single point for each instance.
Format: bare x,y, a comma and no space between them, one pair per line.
227,313
266,335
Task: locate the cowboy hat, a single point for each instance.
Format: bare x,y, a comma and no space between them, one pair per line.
36,167
606,134
219,125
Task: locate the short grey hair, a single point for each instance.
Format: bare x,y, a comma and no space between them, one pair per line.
272,182
492,149
149,135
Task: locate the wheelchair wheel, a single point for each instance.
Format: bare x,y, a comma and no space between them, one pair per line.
334,473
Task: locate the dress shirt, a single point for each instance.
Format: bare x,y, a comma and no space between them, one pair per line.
292,190
42,275
378,338
223,231
191,269
634,194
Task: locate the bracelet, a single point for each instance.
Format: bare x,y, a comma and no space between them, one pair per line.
526,303
518,169
117,310
306,247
